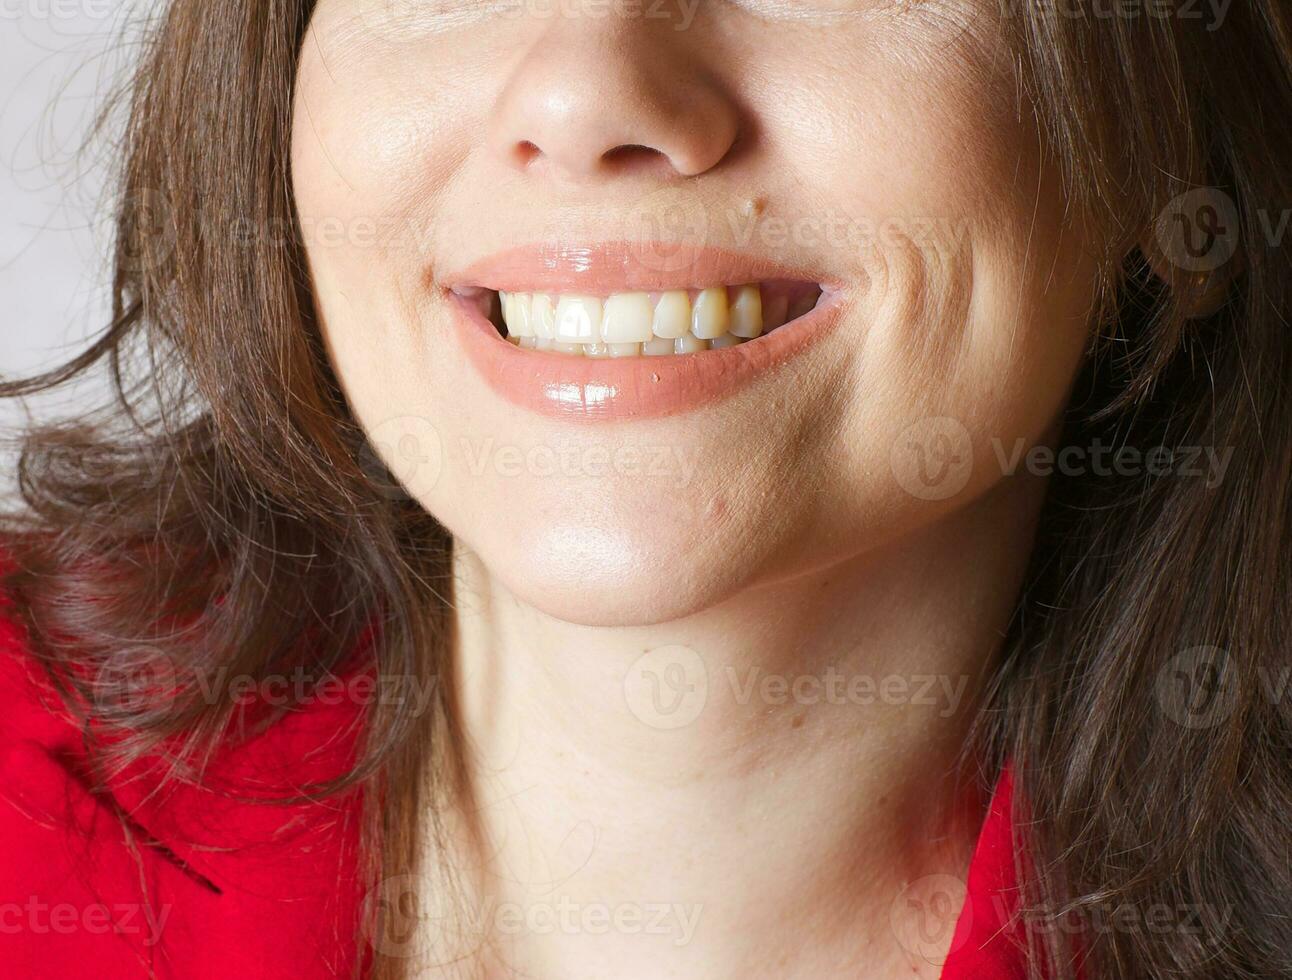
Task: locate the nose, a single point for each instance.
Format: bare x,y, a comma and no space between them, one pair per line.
593,98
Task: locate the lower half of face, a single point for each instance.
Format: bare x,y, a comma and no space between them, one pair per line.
651,312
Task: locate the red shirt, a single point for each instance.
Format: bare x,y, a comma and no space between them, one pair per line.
191,882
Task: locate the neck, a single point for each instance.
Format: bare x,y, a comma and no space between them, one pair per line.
752,785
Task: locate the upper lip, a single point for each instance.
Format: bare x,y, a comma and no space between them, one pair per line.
602,268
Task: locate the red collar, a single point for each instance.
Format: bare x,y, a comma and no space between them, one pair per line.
988,942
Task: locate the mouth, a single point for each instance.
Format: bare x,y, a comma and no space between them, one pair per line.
644,324
627,330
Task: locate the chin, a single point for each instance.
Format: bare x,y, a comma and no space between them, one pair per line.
622,575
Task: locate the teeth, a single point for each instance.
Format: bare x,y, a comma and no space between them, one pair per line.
543,316
516,314
672,315
627,319
578,319
747,312
633,324
710,315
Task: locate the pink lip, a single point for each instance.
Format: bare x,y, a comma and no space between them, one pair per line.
574,388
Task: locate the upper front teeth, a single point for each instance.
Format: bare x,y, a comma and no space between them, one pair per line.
625,324
578,318
626,319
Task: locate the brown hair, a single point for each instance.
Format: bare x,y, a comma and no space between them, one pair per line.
230,489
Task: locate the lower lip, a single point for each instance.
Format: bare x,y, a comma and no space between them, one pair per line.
616,389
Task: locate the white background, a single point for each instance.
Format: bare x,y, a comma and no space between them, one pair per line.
59,62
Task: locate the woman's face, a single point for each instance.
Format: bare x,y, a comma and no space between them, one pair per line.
591,151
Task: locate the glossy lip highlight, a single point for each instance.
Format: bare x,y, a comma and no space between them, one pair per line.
575,388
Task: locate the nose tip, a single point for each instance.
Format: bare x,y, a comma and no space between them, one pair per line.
582,106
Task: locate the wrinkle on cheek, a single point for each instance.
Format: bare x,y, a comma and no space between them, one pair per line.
945,176
921,299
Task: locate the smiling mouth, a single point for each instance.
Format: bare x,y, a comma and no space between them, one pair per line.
643,324
625,330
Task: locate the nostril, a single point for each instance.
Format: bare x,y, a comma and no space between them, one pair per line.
634,156
525,153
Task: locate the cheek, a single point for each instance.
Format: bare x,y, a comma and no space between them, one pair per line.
981,283
379,130
364,185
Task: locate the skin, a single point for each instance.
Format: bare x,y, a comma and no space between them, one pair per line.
786,534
